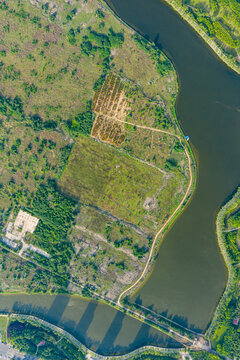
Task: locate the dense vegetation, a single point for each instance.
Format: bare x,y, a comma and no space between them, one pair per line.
220,20
34,339
203,355
225,331
163,65
20,275
149,355
56,213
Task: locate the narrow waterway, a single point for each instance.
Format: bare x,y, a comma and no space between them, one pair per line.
98,326
189,274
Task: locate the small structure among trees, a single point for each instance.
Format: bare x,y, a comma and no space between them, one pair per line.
23,223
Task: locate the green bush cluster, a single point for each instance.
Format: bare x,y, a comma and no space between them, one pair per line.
147,355
29,88
235,6
178,147
160,118
101,44
41,280
215,27
128,241
56,213
229,342
139,251
21,13
72,351
100,14
11,107
234,220
222,34
163,66
82,123
170,164
214,6
203,355
207,24
35,339
71,36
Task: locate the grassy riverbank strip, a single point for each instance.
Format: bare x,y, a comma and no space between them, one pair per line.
38,337
58,334
224,329
185,15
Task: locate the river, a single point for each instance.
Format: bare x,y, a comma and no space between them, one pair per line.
189,275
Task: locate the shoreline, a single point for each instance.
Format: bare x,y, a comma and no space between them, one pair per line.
211,43
193,24
163,232
160,235
90,354
230,273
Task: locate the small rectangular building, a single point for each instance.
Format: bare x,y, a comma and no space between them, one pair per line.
23,223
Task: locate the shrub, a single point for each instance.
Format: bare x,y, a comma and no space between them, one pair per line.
71,36
82,123
100,14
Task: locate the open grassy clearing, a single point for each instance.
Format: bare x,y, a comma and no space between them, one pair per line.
159,149
45,59
67,70
109,253
157,168
101,176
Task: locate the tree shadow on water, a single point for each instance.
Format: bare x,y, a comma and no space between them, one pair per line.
86,319
57,308
80,330
107,344
21,308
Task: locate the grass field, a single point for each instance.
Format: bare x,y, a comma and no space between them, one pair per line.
3,327
126,193
101,176
69,70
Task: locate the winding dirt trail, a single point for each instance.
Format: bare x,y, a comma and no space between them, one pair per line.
170,218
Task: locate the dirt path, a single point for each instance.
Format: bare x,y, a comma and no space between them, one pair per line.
237,228
169,219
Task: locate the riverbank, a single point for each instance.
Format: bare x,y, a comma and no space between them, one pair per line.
185,15
89,354
70,346
198,120
157,239
217,50
224,320
45,339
